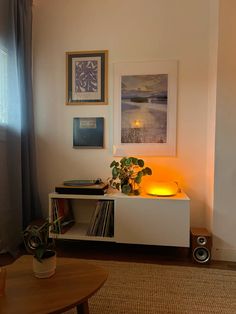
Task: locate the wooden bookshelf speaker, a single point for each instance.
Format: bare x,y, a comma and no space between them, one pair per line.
201,244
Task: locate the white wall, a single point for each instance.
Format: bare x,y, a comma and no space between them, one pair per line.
211,115
131,30
224,217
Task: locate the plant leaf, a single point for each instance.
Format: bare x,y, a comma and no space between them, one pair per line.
134,160
122,161
126,189
128,161
138,179
117,186
140,163
113,164
115,173
148,171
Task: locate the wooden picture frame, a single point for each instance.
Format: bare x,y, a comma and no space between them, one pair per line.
86,77
145,105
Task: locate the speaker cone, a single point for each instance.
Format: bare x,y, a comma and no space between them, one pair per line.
201,254
201,240
34,242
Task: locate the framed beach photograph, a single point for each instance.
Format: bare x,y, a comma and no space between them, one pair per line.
88,132
145,96
86,78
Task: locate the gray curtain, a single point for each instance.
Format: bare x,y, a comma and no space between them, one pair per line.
19,202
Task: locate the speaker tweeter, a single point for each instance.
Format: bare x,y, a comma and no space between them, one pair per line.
201,244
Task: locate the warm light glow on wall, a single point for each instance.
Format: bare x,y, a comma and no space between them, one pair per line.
162,188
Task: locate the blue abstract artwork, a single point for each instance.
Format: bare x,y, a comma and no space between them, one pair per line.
86,76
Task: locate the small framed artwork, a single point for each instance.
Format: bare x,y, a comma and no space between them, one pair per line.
145,97
88,132
86,77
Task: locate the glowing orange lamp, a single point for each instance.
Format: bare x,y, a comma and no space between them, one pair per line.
163,188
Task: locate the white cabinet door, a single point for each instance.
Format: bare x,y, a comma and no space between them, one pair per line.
152,221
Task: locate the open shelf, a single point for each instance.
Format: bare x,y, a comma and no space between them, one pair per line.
78,232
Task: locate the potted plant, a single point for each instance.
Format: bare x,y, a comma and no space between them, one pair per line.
38,243
127,175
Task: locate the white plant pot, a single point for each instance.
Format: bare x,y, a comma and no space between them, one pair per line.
46,268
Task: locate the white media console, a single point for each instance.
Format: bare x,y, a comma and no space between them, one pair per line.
144,219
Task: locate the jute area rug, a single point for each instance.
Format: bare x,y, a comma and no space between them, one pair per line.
140,288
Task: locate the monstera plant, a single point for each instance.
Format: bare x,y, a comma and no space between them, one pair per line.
127,175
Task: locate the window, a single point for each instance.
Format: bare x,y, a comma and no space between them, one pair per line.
3,91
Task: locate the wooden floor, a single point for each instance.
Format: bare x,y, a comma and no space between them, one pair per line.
125,252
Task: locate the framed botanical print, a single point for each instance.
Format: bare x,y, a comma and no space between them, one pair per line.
86,78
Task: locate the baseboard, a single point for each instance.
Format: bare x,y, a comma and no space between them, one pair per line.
223,254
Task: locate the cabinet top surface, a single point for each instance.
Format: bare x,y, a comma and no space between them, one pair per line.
113,194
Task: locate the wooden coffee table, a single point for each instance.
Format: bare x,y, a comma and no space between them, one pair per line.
71,286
